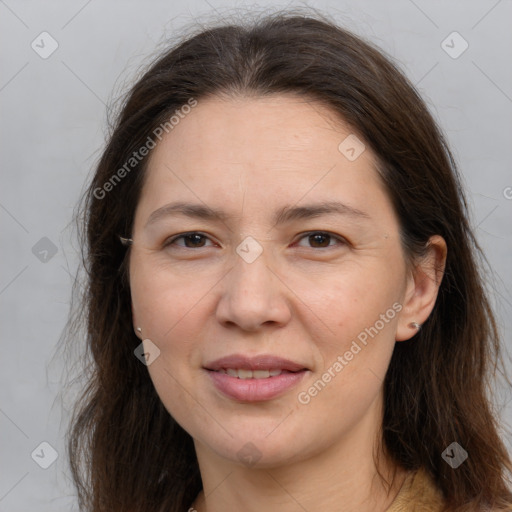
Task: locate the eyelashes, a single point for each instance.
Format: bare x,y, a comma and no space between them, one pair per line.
190,236
196,238
323,235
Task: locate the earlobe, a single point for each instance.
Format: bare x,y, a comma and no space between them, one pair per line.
408,331
136,328
423,288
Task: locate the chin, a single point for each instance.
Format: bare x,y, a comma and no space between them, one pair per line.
263,447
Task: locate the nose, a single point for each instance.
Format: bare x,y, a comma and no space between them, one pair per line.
253,295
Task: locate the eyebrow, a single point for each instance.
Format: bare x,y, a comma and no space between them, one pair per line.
283,215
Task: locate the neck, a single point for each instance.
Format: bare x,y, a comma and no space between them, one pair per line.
343,477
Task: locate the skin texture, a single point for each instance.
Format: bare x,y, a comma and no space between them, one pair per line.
302,299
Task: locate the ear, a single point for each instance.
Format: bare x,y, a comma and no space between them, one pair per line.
422,288
135,324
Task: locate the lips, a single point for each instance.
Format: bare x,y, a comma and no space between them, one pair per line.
254,379
262,362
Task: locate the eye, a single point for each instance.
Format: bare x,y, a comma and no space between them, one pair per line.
322,239
197,240
192,240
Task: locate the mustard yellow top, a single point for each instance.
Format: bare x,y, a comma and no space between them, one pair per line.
418,494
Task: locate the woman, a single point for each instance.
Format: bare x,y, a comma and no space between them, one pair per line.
284,308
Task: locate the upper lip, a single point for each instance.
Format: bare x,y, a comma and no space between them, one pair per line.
261,362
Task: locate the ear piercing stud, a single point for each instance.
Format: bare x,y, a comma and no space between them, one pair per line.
126,241
415,325
139,329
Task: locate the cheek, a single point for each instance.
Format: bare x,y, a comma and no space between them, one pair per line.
361,312
172,311
347,303
178,394
353,358
172,317
164,301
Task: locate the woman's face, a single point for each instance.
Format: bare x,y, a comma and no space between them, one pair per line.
277,319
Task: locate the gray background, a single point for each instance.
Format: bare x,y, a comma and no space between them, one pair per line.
53,120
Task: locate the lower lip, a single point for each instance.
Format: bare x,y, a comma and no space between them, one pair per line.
255,390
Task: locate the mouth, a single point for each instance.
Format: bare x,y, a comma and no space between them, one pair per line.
252,374
252,379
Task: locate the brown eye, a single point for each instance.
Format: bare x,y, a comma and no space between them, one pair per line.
322,239
192,240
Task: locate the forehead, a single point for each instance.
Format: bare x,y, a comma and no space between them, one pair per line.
260,150
236,128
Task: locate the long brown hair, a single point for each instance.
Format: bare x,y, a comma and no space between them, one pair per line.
126,451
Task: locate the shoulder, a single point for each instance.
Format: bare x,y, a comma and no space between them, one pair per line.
419,493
